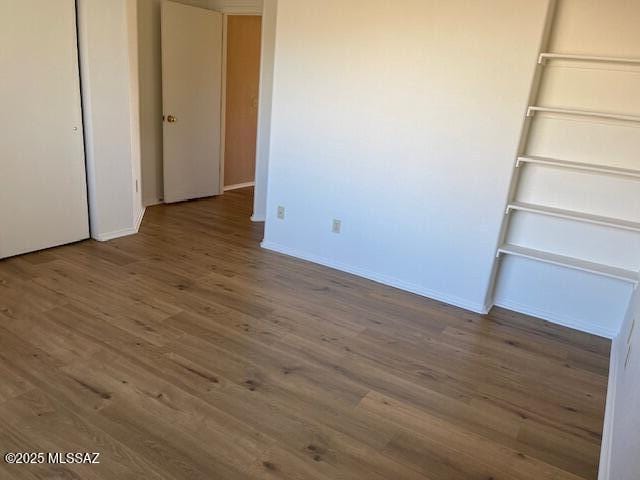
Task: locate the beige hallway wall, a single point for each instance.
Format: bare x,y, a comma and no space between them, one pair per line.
243,79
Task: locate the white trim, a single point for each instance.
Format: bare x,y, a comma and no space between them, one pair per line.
250,12
223,103
258,218
565,321
87,113
139,219
609,414
105,237
379,278
263,135
525,130
586,58
239,185
134,108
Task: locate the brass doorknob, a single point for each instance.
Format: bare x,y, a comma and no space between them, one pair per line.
171,119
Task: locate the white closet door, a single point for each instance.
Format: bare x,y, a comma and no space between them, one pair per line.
43,197
192,96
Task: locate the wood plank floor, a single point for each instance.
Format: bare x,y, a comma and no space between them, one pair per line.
187,352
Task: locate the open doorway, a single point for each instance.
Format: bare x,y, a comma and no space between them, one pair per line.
210,85
171,140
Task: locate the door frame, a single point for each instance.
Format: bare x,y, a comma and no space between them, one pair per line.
223,123
223,107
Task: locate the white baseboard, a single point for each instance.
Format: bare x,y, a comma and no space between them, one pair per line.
140,217
609,414
239,185
260,217
565,321
151,203
377,277
105,237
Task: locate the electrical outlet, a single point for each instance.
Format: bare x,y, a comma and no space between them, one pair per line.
281,213
336,226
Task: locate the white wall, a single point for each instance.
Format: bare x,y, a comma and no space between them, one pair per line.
403,121
621,442
150,69
109,83
269,17
581,300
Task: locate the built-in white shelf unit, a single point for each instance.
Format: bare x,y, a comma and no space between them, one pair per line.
524,158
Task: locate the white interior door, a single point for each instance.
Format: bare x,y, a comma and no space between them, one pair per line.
191,91
43,197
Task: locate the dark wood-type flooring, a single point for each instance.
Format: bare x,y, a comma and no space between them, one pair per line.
188,352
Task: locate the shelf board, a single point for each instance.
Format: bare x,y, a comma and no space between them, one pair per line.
590,167
583,113
586,58
576,216
570,262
